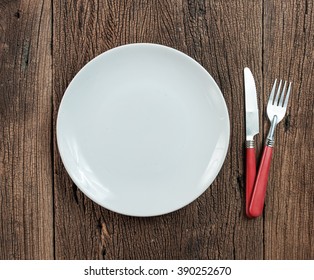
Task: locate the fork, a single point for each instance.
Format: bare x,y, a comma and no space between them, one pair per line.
276,110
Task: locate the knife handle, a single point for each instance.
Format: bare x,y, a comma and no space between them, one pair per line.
259,191
250,174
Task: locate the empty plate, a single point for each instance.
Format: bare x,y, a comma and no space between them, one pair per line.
143,129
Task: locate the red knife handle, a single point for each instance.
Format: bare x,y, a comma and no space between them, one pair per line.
259,190
250,177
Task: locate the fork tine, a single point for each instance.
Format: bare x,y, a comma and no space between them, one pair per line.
287,96
278,93
282,94
272,93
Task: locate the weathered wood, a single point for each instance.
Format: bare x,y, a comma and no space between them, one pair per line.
43,44
211,32
26,208
289,54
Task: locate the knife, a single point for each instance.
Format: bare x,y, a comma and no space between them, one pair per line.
252,128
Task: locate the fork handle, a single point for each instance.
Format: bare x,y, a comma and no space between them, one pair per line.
259,191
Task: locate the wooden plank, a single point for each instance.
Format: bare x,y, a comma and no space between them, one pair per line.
289,54
224,39
234,42
26,210
212,227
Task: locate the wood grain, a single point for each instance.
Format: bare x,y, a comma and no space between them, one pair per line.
213,226
43,44
26,206
289,54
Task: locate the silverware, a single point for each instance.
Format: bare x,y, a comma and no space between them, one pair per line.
252,128
276,110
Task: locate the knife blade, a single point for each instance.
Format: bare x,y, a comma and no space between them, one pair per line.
251,108
252,128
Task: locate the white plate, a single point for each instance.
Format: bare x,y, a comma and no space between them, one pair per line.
143,129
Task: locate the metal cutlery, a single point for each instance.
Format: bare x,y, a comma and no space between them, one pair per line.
252,128
276,110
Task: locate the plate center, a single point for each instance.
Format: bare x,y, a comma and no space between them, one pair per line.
144,130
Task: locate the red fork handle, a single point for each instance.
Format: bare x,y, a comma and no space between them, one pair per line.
249,177
259,190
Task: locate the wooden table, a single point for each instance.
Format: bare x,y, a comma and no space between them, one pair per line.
43,44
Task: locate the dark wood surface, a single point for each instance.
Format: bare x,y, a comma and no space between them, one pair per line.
43,44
